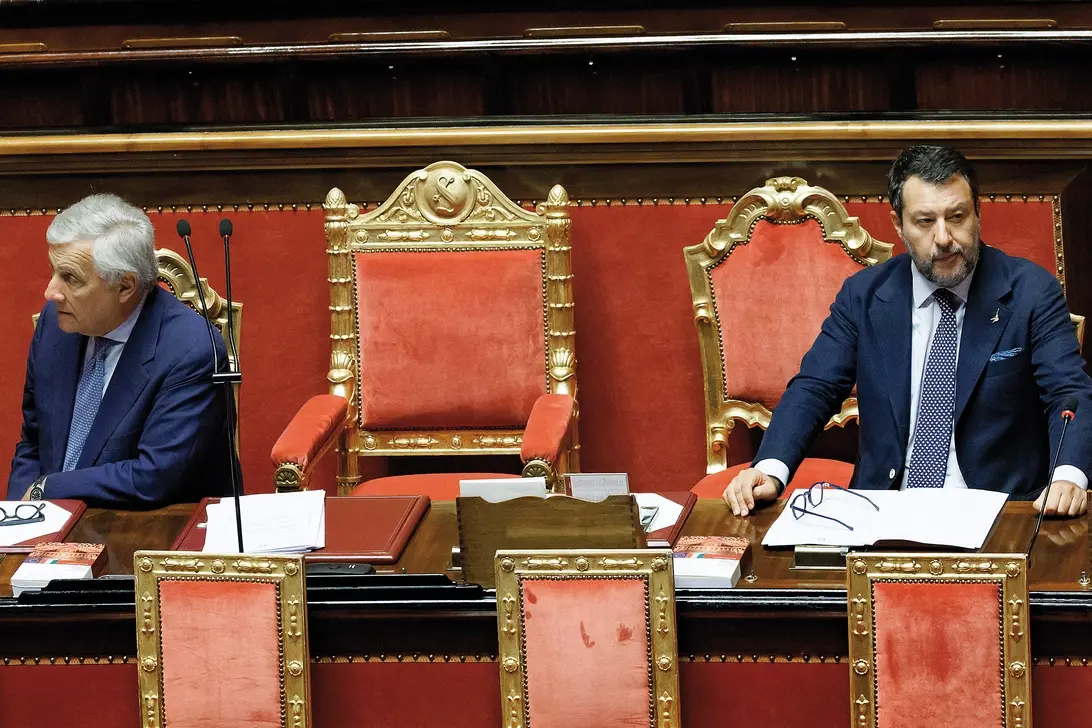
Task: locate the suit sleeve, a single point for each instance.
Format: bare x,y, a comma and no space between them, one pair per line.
186,418
827,374
1059,373
25,466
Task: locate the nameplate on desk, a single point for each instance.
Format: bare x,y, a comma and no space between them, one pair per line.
597,486
498,490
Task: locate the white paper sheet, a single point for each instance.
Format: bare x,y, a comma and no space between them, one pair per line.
668,511
498,490
932,516
273,523
55,518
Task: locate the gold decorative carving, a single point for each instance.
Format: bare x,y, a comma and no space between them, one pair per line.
1017,706
509,605
295,668
658,564
149,664
785,201
417,443
255,566
514,702
510,664
297,705
664,662
860,627
906,567
862,711
508,564
217,566
1017,669
581,563
1016,628
291,568
629,564
456,442
666,701
369,442
498,440
662,602
936,567
151,710
859,566
535,563
965,567
860,667
191,565
145,565
292,627
288,478
147,626
1012,570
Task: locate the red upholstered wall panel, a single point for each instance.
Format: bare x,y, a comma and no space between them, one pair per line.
640,375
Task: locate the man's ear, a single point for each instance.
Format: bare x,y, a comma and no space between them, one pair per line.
896,220
127,287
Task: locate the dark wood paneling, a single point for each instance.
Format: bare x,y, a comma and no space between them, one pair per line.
1048,78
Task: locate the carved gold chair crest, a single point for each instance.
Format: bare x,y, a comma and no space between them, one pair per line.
762,283
587,639
451,317
221,640
939,639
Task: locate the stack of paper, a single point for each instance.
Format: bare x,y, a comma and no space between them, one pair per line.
932,516
273,523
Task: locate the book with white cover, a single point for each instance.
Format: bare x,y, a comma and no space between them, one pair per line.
953,517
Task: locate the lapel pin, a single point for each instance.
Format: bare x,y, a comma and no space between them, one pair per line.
996,316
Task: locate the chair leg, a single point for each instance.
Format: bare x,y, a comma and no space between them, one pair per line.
348,466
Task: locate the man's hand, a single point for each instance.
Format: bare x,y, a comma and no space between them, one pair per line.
749,486
26,496
1066,499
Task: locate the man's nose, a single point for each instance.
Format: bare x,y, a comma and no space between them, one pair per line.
53,291
941,235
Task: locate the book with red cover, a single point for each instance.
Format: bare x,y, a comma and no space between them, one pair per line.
75,507
373,528
64,553
664,538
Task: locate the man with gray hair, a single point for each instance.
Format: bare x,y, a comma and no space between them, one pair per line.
119,407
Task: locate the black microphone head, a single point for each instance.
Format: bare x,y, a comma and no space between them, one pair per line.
1070,405
183,228
225,228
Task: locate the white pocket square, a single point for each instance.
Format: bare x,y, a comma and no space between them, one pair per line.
1007,354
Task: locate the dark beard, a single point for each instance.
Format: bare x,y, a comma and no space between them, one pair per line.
927,266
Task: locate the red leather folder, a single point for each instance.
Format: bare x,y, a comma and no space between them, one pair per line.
75,507
372,528
665,538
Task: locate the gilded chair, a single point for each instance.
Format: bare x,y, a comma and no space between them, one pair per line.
762,283
938,639
587,639
452,334
221,640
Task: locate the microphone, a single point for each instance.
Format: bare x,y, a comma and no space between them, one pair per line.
225,233
184,232
1069,411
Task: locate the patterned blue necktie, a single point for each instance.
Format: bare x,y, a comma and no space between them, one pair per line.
936,410
88,396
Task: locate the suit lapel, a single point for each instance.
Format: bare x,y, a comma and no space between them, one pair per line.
983,324
128,381
891,319
67,358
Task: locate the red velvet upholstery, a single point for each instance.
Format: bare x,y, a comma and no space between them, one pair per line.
212,681
437,486
439,349
938,655
319,418
547,426
765,337
812,470
586,652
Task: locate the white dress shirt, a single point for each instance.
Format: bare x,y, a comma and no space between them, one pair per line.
924,321
120,335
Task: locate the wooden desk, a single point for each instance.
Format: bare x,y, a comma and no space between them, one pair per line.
769,653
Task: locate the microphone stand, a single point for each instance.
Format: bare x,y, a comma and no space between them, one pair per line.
218,377
229,379
1067,417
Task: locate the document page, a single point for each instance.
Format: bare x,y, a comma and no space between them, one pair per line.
938,517
667,511
272,523
55,518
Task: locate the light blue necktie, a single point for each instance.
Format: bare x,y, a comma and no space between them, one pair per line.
936,410
88,397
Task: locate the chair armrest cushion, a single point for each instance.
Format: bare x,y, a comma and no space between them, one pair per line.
551,416
319,419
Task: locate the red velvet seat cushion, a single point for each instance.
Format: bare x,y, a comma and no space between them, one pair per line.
437,486
812,470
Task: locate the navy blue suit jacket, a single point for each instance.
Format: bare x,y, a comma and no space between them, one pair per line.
1007,411
160,435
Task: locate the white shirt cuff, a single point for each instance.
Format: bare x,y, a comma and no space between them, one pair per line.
777,469
1067,472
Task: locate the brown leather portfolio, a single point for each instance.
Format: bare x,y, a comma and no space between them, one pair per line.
75,507
665,538
371,528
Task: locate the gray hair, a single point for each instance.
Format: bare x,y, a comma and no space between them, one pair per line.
121,236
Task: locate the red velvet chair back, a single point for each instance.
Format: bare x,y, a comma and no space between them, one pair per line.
221,640
587,639
762,282
939,639
451,313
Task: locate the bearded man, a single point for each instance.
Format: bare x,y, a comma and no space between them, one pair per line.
963,357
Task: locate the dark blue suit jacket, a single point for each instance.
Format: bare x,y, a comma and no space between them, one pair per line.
1007,412
160,435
